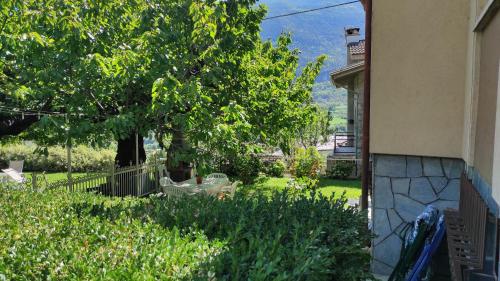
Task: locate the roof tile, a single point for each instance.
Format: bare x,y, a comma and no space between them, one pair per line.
357,48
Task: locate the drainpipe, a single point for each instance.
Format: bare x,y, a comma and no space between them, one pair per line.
365,145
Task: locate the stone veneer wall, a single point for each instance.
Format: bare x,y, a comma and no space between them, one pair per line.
402,187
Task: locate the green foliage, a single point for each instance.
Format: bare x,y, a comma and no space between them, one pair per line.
318,130
275,168
81,236
328,187
61,236
83,158
307,163
341,169
155,156
308,183
334,100
190,66
67,57
247,168
301,185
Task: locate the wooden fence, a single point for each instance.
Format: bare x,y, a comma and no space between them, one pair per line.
139,180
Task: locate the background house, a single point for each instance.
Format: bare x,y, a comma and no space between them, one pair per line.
351,78
434,112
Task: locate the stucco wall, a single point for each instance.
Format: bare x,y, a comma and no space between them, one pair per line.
487,103
418,77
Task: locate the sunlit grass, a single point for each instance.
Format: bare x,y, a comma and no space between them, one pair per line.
327,187
267,185
53,177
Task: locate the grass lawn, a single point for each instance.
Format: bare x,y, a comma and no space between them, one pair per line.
52,177
327,187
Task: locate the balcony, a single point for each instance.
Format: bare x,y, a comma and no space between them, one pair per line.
344,144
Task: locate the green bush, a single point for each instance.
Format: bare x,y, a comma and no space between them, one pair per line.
245,167
67,237
275,168
307,163
341,169
300,185
58,236
83,158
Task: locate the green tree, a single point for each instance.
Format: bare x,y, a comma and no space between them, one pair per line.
317,130
195,70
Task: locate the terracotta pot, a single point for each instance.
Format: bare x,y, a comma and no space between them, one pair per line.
199,180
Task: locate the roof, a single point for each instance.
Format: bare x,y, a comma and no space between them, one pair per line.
357,48
338,76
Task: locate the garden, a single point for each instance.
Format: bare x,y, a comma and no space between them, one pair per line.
103,95
278,226
61,236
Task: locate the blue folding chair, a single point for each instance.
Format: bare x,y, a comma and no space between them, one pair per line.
429,250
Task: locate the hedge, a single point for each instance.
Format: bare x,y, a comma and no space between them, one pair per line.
83,158
62,236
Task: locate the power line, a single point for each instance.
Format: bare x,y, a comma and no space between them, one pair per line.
28,111
312,10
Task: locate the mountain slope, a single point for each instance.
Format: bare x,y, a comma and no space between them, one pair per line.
317,33
314,33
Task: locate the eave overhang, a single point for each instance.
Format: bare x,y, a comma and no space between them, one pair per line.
341,78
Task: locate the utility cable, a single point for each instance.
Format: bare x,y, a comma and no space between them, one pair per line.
311,10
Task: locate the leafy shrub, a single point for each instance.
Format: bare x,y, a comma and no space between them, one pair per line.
275,168
245,168
58,235
341,169
298,186
83,158
66,236
307,163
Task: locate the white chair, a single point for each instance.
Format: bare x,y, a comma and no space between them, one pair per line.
230,189
14,175
165,181
218,177
175,191
17,166
171,189
163,171
14,172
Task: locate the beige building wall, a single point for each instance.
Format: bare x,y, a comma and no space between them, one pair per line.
487,99
418,77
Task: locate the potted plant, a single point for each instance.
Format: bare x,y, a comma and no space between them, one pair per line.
201,170
199,179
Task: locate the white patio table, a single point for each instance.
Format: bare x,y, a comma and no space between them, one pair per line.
210,186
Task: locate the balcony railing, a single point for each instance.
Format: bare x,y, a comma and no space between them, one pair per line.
344,143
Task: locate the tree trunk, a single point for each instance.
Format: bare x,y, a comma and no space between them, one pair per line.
14,125
125,155
179,170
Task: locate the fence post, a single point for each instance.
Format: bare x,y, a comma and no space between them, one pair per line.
157,175
70,180
137,182
113,179
33,180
